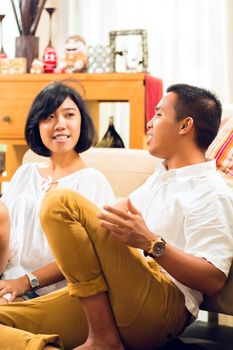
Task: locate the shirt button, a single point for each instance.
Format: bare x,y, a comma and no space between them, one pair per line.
165,179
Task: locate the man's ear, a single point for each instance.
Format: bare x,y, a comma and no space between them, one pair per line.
186,125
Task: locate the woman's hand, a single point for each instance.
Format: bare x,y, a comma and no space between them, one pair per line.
16,287
3,301
129,227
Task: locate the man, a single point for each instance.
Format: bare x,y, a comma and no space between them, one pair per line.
181,218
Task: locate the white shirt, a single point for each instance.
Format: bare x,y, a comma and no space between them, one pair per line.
29,249
191,208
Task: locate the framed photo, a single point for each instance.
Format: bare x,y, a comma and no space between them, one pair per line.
130,50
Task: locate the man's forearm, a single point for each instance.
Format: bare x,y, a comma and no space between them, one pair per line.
194,272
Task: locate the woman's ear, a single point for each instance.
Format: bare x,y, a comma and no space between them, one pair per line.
186,125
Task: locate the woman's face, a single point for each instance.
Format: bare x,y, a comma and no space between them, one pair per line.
60,131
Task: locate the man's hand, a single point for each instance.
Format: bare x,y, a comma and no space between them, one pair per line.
16,287
129,227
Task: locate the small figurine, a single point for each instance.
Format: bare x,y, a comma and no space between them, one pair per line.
37,66
49,59
75,58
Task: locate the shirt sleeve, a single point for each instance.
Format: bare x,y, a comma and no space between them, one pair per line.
209,235
15,183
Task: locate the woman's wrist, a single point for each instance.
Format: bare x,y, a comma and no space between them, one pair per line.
24,283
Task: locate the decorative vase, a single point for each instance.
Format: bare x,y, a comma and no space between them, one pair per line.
27,15
49,55
2,52
111,138
27,46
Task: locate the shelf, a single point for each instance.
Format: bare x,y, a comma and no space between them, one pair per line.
18,91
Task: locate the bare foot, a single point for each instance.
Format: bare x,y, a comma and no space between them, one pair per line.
92,345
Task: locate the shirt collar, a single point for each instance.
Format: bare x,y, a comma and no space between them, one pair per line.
195,170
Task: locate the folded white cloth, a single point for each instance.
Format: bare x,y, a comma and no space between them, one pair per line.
7,296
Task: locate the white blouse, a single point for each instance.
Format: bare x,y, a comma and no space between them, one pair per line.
29,249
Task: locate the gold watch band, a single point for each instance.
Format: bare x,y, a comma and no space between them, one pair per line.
157,248
152,243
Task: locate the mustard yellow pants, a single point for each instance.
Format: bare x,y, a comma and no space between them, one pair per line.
148,308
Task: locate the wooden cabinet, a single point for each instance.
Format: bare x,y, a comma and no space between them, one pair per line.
18,91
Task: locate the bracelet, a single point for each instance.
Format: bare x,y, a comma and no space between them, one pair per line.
7,296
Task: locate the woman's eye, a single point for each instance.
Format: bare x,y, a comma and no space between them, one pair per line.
50,116
69,115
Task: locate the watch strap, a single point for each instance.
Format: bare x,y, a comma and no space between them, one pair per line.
33,280
151,252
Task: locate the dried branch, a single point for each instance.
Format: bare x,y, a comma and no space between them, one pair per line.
25,11
37,17
16,18
28,16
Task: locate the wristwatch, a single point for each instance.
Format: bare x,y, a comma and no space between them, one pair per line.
34,283
157,248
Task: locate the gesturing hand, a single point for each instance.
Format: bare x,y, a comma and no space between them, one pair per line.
129,227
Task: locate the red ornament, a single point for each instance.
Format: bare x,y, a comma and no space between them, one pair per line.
3,55
49,59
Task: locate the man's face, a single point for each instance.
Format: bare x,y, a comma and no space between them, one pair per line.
163,129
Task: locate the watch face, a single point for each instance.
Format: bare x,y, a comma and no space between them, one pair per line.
159,248
34,283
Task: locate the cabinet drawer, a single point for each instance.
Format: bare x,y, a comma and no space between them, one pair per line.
13,114
15,102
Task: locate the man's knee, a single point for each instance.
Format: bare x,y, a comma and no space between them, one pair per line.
55,200
60,201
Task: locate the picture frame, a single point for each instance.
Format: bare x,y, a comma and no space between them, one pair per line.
130,50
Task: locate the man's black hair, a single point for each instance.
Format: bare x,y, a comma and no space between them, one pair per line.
203,106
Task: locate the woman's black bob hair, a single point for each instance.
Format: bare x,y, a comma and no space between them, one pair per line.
45,103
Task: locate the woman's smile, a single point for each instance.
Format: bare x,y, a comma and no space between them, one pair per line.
61,138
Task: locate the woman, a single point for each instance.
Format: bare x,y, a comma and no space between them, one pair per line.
60,128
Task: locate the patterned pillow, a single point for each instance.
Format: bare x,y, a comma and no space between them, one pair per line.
222,149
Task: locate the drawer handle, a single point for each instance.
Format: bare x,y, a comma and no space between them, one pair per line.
6,119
